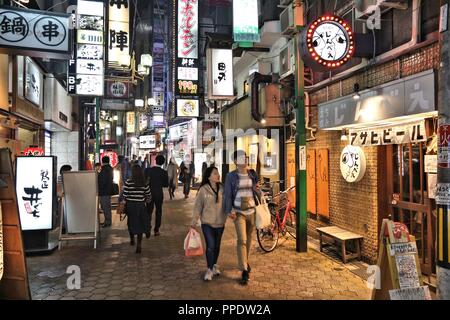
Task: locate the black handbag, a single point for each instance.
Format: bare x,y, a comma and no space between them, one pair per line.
115,189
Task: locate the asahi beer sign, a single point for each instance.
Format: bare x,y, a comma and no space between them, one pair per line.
188,29
36,30
400,134
35,192
220,82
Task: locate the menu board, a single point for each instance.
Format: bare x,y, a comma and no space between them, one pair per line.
407,271
419,293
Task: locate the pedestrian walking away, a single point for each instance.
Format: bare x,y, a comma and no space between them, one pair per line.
241,190
209,209
187,170
158,179
105,190
136,194
172,172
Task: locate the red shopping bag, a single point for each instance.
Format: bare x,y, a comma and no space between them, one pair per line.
193,244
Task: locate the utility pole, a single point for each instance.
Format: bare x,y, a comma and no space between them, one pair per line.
97,130
300,142
443,218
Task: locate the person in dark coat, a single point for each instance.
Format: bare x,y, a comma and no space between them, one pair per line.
159,179
187,171
105,188
136,193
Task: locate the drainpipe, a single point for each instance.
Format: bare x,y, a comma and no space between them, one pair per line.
256,79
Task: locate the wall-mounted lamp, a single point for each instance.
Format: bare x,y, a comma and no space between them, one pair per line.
139,103
356,96
344,135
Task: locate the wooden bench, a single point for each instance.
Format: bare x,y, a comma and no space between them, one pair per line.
340,236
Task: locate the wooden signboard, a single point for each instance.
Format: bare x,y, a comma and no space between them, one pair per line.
311,203
290,170
399,265
323,184
14,284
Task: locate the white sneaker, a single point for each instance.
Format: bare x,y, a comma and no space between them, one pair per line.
216,270
208,275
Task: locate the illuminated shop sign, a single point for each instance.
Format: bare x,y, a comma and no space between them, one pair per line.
220,79
86,70
113,158
353,164
188,107
36,30
245,21
35,177
119,32
328,43
118,89
188,29
147,142
33,152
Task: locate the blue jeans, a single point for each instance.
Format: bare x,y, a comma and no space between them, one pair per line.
213,238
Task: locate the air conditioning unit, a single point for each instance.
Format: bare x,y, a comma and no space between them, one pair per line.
366,7
287,21
287,60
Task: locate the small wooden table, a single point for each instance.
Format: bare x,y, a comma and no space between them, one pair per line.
340,236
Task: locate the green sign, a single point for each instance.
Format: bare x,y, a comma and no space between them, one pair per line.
245,21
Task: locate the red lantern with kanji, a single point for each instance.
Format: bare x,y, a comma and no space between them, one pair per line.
113,158
33,152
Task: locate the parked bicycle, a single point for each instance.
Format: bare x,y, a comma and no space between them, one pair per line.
283,221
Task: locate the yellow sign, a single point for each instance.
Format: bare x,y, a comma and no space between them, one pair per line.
131,122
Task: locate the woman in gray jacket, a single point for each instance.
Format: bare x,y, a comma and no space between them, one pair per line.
208,207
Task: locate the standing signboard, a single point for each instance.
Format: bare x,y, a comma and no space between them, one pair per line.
36,189
82,216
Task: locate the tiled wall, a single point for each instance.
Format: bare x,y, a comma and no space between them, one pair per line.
65,147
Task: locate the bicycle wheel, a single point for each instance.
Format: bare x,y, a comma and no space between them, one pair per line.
268,237
291,223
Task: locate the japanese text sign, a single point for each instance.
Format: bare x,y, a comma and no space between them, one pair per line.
35,178
35,30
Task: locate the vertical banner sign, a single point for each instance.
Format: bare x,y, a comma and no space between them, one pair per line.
220,66
444,147
119,32
187,85
131,123
86,70
35,192
245,21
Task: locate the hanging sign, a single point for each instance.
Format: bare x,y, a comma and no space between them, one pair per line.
39,31
35,185
328,43
220,77
214,117
407,133
131,122
353,164
118,89
119,32
188,29
245,21
431,163
147,142
34,80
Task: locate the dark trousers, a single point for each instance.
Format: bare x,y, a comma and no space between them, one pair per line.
158,203
172,188
187,185
213,238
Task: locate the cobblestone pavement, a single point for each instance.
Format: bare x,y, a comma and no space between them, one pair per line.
114,271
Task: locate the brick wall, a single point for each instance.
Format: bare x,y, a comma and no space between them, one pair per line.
353,206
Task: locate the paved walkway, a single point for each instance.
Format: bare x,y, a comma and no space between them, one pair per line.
162,271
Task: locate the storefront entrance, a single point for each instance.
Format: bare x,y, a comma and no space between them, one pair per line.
409,199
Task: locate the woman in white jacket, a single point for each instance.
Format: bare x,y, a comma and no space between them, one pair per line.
208,207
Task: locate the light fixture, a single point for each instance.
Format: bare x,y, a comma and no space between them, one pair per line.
263,121
356,96
344,135
151,102
143,70
147,60
115,117
139,103
119,131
